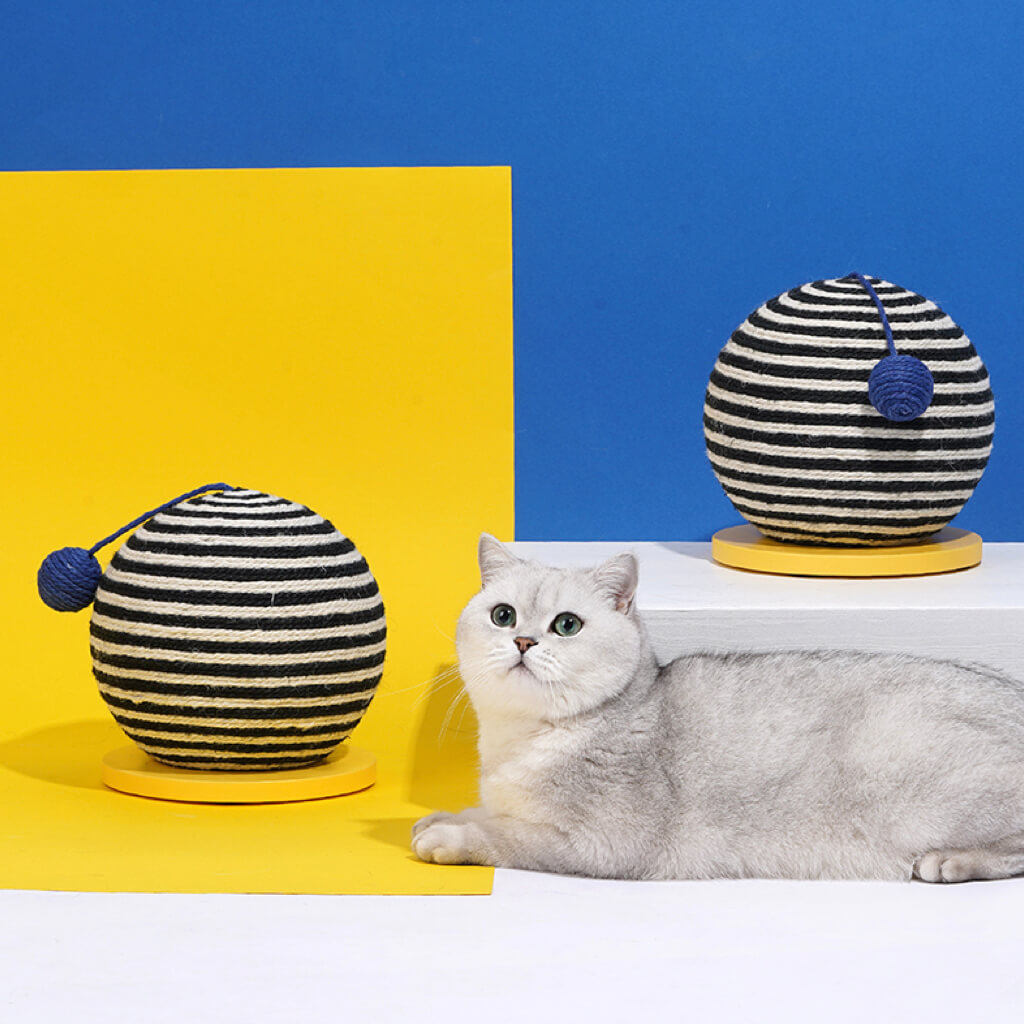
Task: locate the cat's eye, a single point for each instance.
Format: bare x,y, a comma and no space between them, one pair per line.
566,624
503,615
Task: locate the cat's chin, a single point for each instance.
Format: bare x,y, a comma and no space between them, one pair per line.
521,669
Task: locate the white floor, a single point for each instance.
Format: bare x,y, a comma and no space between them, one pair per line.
541,948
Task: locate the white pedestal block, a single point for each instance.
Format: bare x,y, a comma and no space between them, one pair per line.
690,603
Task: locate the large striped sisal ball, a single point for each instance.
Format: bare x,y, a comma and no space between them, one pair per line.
799,448
238,631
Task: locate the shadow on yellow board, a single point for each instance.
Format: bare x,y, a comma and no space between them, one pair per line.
340,337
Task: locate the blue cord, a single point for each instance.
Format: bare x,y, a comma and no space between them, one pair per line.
155,511
68,578
881,311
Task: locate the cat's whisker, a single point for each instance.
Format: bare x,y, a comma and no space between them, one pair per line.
437,688
444,675
462,714
448,716
443,633
440,682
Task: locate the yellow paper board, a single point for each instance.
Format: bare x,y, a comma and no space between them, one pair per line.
340,337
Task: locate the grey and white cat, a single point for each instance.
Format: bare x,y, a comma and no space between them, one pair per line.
596,761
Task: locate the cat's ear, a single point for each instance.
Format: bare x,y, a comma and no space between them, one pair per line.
493,557
618,578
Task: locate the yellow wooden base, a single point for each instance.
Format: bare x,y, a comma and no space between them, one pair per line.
745,547
130,770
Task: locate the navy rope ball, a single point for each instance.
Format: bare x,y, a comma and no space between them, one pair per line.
68,578
901,388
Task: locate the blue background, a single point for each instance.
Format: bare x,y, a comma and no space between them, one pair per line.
674,165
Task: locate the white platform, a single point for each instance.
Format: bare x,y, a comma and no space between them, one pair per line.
691,603
548,949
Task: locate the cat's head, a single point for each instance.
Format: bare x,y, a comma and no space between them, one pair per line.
548,643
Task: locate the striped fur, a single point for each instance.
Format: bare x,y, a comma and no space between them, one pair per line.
238,631
799,449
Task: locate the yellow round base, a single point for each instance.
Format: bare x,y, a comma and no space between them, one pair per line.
745,547
131,770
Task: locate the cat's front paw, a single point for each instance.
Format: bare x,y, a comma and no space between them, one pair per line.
432,819
444,838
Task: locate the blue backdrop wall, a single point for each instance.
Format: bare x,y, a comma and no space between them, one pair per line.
674,165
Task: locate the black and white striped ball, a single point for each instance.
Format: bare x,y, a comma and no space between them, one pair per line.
797,445
238,631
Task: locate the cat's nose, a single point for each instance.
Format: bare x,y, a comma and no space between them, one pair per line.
524,643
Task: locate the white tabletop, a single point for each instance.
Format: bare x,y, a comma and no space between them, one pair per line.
678,575
690,603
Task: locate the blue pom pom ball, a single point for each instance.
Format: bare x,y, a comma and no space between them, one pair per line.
68,578
901,388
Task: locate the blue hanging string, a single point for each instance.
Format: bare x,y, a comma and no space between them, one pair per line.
881,311
900,387
68,578
149,515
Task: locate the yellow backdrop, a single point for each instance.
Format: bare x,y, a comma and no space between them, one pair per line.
340,337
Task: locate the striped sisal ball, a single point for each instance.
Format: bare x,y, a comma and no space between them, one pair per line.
238,631
799,448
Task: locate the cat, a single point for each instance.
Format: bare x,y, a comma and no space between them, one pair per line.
596,761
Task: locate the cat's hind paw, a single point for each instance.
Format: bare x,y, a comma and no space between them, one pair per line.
932,867
965,865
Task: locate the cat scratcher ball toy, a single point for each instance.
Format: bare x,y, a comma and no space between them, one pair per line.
849,420
237,638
